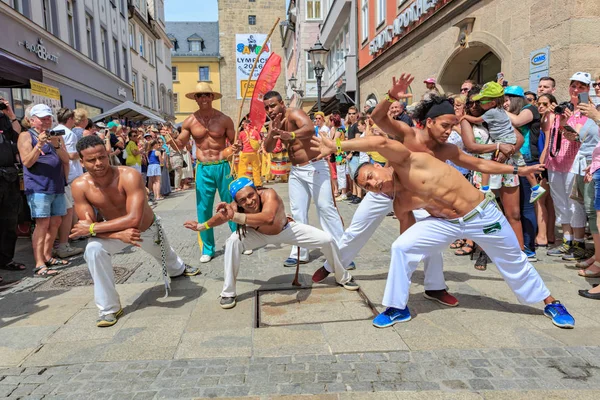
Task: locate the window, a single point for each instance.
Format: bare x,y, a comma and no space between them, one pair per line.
71,25
152,96
381,4
195,45
125,60
47,10
89,34
176,101
142,39
204,73
105,51
116,63
163,95
159,49
123,7
145,90
251,19
134,83
313,9
364,20
132,36
310,72
151,51
174,73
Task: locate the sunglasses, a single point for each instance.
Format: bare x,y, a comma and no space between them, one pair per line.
485,101
198,95
541,103
596,84
351,113
464,89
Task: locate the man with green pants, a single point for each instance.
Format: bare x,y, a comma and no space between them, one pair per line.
210,129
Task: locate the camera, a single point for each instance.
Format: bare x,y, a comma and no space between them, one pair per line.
560,109
2,105
56,132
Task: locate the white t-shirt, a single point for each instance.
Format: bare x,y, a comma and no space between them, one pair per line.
324,131
70,139
363,157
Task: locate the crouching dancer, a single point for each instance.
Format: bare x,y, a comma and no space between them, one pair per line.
119,196
261,220
457,209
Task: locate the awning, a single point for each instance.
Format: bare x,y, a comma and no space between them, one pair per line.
130,111
15,73
340,101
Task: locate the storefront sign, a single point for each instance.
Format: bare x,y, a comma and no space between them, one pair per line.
45,94
246,50
407,18
40,50
122,91
539,66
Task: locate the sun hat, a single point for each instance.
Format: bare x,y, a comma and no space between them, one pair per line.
40,111
514,91
489,90
100,125
203,87
112,124
430,80
582,77
371,103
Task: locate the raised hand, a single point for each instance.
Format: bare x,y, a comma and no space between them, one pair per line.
399,89
322,145
131,236
532,169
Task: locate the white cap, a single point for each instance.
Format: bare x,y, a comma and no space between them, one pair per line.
40,111
371,103
582,77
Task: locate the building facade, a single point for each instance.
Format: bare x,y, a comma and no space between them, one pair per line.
77,46
194,58
150,57
245,17
454,40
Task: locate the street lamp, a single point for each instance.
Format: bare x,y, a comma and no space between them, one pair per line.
318,55
292,82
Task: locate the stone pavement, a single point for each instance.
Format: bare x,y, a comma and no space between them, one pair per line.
318,340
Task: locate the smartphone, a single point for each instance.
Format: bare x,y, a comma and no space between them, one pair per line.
568,128
500,76
583,97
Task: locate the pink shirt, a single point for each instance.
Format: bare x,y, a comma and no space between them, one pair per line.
563,161
595,159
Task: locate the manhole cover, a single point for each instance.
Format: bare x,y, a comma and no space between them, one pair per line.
82,277
311,305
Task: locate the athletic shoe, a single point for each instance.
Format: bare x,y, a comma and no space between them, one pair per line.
320,275
531,257
576,252
350,285
536,194
205,258
190,271
560,250
391,316
108,319
68,251
247,252
227,302
351,266
442,297
356,200
341,197
291,262
559,315
350,197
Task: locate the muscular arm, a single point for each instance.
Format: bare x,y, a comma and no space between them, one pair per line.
229,130
460,158
305,126
397,129
83,208
184,136
269,211
392,150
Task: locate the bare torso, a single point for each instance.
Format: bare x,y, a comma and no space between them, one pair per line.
280,220
210,134
298,150
111,200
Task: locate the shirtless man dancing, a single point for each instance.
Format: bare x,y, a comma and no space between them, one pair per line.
210,129
119,195
309,176
457,209
432,140
261,220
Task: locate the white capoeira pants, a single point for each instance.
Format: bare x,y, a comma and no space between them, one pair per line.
368,216
341,176
293,233
489,229
567,210
98,253
313,181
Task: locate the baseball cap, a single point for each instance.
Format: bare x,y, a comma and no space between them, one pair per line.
371,103
582,77
489,90
100,125
429,80
112,124
40,111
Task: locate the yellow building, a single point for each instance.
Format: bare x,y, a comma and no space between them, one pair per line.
194,58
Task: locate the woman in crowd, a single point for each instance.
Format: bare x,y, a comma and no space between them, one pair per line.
155,159
81,121
165,181
176,159
339,161
187,175
526,118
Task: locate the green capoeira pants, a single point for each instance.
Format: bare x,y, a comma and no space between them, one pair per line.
209,179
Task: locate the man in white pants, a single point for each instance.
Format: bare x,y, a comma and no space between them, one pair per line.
374,207
261,220
119,195
419,180
309,176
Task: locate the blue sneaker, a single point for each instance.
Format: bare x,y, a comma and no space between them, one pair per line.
391,316
559,315
351,266
291,262
531,257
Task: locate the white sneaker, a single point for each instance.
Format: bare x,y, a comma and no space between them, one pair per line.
248,252
536,194
205,258
341,197
68,251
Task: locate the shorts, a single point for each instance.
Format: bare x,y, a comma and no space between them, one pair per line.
69,197
44,205
153,170
498,181
596,176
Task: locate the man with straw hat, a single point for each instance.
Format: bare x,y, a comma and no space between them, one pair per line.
210,129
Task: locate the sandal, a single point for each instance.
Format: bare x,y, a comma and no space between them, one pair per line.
463,252
44,272
14,266
586,273
457,244
55,262
583,264
481,263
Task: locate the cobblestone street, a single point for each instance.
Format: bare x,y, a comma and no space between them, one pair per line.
318,340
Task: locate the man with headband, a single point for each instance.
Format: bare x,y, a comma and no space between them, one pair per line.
261,220
431,139
456,208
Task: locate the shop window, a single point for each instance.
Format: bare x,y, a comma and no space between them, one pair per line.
174,72
251,19
364,20
486,69
203,74
21,100
314,9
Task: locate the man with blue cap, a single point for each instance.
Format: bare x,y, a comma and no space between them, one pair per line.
261,220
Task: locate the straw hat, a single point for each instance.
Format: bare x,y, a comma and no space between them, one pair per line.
203,87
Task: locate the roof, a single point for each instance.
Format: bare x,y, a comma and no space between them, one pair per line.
182,31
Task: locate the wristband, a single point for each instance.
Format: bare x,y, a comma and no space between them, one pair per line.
338,145
516,170
92,233
390,98
13,120
293,135
202,227
239,218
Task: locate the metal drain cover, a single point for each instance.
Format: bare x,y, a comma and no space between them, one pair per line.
82,277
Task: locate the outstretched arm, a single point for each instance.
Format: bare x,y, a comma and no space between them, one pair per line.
460,158
392,150
380,115
184,136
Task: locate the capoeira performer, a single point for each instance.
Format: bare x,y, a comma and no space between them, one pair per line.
119,195
309,176
374,207
210,129
457,209
261,220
